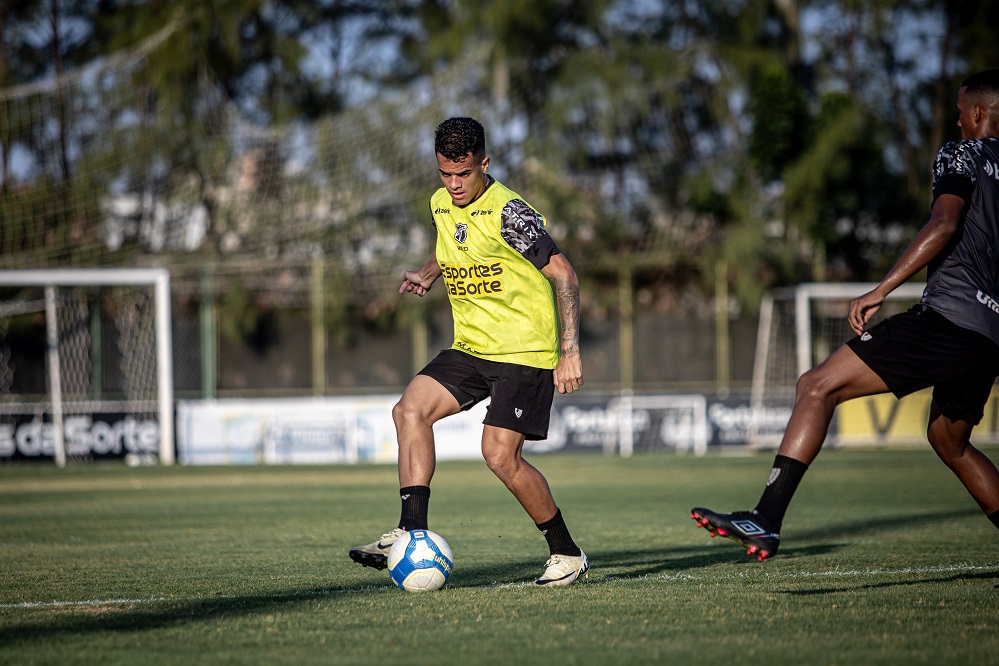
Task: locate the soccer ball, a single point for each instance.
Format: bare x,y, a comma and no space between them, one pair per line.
420,560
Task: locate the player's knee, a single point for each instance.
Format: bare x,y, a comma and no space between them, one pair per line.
406,412
946,446
499,462
813,385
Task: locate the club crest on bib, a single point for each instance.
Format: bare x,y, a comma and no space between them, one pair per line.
461,233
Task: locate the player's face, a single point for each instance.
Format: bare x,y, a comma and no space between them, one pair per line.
464,179
966,116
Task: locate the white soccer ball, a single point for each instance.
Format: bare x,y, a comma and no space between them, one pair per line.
420,560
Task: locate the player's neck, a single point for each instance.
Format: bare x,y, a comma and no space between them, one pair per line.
489,180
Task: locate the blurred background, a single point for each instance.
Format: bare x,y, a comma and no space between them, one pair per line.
277,158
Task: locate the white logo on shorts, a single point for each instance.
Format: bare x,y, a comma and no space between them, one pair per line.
866,336
518,411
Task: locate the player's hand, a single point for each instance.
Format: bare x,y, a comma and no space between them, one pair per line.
862,309
413,283
569,372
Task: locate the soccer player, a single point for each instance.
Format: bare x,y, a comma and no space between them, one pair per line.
514,342
950,341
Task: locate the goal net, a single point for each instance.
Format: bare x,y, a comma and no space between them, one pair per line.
93,172
799,327
105,386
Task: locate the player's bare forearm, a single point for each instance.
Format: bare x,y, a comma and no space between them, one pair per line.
419,282
567,297
569,371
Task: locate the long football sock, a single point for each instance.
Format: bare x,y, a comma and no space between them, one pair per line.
415,507
994,517
557,535
784,479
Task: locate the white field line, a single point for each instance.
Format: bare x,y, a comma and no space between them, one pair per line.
836,573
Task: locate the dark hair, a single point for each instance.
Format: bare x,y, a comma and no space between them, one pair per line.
456,137
984,82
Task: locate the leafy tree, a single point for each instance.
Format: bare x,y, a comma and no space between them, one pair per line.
781,122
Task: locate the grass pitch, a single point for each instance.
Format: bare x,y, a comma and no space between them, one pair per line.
885,559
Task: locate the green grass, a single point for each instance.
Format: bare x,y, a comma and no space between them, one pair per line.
885,559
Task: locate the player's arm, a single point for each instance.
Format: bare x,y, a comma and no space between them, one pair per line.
569,371
419,282
523,228
932,239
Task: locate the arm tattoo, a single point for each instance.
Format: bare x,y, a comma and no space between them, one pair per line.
567,294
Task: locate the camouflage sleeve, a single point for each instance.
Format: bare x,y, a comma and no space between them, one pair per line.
523,228
954,169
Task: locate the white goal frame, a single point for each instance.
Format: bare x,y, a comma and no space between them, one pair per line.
159,279
802,296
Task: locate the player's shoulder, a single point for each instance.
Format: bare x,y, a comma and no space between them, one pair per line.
961,147
959,157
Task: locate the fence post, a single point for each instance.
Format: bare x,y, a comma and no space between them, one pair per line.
723,353
318,328
626,329
207,317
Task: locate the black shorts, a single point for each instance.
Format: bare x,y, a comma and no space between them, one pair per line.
521,395
920,348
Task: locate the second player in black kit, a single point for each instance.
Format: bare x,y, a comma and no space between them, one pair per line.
950,341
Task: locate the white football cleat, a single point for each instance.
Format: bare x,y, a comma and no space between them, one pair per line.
375,554
561,570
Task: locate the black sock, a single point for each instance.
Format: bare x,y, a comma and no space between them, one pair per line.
415,506
557,535
784,479
994,517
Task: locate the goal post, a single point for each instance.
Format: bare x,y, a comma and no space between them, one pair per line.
799,327
107,350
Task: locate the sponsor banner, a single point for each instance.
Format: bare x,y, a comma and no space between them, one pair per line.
97,435
734,422
625,424
680,423
882,419
309,431
285,431
360,429
347,430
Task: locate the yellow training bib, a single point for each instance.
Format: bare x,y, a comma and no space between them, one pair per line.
503,307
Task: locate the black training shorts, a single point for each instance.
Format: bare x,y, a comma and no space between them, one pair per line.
920,348
521,395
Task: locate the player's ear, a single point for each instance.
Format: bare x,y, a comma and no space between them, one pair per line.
485,163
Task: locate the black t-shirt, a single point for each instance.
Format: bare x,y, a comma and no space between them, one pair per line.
963,281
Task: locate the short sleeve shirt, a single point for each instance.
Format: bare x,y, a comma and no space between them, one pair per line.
963,282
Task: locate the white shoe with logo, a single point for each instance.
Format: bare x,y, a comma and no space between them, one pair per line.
561,570
375,554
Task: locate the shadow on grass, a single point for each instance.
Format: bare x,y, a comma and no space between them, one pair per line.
635,563
988,576
881,523
651,562
606,566
150,615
